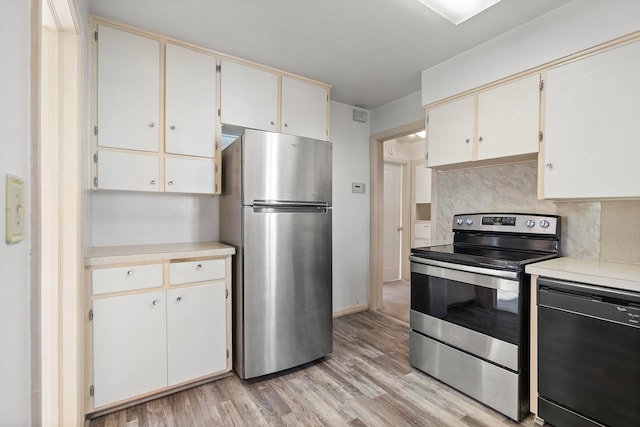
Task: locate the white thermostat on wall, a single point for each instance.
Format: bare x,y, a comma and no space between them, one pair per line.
15,208
357,187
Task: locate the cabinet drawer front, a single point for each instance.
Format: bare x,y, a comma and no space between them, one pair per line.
196,271
422,231
128,278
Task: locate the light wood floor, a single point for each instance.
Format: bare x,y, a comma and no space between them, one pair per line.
396,299
366,381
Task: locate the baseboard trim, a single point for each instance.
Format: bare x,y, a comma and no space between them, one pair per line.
350,310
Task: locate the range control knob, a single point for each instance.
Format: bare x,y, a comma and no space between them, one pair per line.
530,223
544,223
469,221
459,221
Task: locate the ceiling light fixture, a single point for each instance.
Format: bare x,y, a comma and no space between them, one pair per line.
460,10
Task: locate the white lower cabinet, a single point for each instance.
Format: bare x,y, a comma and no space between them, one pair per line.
129,346
144,341
196,333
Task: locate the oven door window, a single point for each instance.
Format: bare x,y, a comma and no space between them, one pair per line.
492,312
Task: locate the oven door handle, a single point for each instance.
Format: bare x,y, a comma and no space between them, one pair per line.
486,277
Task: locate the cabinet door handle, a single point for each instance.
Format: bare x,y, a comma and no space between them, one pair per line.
130,273
152,182
152,125
550,165
155,302
199,267
467,140
272,122
179,299
172,127
480,139
170,183
286,125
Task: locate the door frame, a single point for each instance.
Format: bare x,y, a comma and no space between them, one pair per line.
377,206
405,217
57,347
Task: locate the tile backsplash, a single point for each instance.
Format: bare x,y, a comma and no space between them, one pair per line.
590,229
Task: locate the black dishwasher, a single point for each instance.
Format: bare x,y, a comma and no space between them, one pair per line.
588,355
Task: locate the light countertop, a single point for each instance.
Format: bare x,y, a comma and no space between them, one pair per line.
611,274
106,255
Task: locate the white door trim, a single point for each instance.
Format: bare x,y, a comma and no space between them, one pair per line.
375,257
56,216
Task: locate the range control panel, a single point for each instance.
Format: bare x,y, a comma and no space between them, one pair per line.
508,223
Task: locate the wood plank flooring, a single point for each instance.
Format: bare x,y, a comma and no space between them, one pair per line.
366,381
396,299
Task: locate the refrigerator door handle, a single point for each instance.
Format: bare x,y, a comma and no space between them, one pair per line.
287,204
290,209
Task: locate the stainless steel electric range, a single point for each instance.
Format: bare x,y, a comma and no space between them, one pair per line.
470,305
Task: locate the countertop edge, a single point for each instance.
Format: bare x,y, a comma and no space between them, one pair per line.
610,274
105,255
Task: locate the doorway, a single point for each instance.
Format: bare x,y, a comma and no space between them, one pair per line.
393,196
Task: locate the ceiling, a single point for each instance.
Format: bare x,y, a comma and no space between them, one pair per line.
371,51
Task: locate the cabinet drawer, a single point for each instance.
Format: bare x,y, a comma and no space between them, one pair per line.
196,271
422,231
128,278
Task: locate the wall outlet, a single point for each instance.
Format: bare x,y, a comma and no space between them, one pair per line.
15,207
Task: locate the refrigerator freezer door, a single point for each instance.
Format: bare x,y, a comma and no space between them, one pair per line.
281,167
287,309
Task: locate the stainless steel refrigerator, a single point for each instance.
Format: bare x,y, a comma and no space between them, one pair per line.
276,210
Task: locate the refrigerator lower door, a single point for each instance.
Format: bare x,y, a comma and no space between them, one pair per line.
286,291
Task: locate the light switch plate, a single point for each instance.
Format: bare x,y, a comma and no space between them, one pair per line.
15,208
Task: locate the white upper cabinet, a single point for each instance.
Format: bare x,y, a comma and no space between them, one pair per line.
499,122
190,102
304,108
450,133
128,97
592,135
118,170
422,183
189,175
509,119
249,96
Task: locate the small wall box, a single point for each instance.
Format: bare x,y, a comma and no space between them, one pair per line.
357,187
15,210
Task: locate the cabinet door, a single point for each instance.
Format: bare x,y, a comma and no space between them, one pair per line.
126,171
129,346
592,135
196,331
190,102
422,184
304,109
249,97
128,90
450,133
509,119
189,176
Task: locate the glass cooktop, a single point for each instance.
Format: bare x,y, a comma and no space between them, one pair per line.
481,256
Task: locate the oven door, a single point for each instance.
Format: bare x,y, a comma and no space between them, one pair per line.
469,308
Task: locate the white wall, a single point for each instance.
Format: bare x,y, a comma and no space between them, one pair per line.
123,218
394,114
571,28
14,259
350,210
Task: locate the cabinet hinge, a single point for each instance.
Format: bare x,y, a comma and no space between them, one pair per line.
90,314
215,188
540,135
95,35
427,119
95,130
95,157
91,390
215,167
218,68
95,181
227,353
226,293
541,84
219,112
